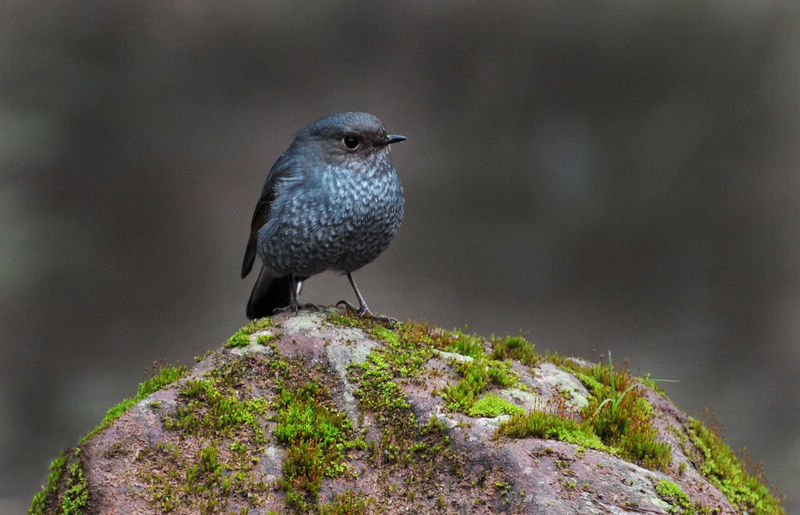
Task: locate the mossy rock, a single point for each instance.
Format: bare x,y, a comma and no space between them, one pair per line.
330,413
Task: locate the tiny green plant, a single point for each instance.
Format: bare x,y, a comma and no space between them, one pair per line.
616,400
625,423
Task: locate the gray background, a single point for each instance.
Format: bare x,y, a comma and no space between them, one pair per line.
600,175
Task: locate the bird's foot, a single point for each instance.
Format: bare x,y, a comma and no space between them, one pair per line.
364,311
346,306
285,309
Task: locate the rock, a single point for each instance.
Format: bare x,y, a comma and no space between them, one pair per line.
327,413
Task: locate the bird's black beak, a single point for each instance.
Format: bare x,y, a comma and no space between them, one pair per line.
393,138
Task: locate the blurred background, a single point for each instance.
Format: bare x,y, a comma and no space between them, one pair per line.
597,175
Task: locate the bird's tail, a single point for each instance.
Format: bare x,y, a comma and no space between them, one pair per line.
269,293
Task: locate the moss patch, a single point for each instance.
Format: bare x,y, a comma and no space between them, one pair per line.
672,493
241,338
414,456
721,466
490,405
619,415
465,344
66,474
40,500
160,379
285,403
205,473
477,374
348,502
539,424
212,410
76,496
316,438
622,427
46,500
515,347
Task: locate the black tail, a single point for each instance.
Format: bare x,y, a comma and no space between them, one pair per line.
269,293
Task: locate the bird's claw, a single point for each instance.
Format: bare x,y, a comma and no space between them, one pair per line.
349,307
364,311
285,309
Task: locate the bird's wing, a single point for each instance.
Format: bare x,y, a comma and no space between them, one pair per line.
280,170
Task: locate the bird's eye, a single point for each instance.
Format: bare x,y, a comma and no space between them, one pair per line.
350,142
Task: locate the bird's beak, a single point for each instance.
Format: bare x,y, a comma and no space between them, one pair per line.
393,138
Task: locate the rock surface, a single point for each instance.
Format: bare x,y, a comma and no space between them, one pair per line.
302,413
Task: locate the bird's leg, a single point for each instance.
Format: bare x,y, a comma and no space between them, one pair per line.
294,290
363,309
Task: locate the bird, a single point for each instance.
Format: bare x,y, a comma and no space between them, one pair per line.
332,201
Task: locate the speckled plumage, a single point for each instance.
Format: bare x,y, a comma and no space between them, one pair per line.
324,206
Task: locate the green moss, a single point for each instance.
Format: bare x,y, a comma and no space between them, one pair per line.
216,409
259,324
539,424
721,466
501,375
201,357
241,338
490,405
416,454
164,377
316,438
387,335
640,444
265,339
378,391
476,376
624,430
589,382
76,496
463,394
672,493
515,347
224,415
408,344
618,413
76,492
348,502
408,348
345,319
208,460
622,420
465,344
57,468
201,481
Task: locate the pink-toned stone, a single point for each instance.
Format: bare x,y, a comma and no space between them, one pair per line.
534,476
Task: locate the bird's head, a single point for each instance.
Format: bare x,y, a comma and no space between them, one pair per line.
348,137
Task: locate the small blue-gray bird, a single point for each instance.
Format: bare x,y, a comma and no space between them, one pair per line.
332,201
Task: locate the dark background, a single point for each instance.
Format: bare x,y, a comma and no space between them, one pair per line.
599,175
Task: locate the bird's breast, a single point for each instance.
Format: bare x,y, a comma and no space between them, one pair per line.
342,222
